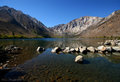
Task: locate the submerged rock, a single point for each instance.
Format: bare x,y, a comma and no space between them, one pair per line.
56,50
40,49
79,59
12,49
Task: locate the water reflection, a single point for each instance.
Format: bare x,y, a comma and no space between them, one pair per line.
49,66
30,45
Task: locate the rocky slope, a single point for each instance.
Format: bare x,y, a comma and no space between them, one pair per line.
76,26
108,27
15,22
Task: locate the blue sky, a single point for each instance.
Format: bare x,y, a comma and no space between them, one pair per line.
53,12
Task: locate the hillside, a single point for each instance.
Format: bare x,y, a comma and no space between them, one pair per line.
14,22
108,27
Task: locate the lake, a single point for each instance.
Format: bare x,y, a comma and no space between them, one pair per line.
29,65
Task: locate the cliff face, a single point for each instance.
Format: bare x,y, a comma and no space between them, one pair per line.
14,21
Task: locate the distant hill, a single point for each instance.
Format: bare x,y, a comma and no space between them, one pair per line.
14,22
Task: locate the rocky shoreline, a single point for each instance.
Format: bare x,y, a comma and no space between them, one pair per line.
109,46
10,49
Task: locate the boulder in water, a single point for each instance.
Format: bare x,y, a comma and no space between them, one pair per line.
91,49
83,50
40,49
56,50
79,59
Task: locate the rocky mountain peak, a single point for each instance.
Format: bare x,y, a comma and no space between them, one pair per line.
77,25
4,7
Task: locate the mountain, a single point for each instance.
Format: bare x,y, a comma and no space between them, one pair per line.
91,27
76,26
108,27
14,22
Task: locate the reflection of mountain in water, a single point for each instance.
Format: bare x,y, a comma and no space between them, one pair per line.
70,42
47,64
30,45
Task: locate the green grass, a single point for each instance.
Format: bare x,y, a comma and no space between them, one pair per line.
11,36
38,36
17,37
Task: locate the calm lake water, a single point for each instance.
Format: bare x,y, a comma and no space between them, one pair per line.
51,67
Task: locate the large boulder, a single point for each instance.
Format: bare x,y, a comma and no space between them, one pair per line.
66,50
101,48
77,49
118,44
91,49
79,59
83,50
107,42
72,50
116,48
109,49
56,50
111,42
40,49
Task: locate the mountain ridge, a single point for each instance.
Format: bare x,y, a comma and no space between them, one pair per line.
15,22
108,27
84,33
22,23
76,26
